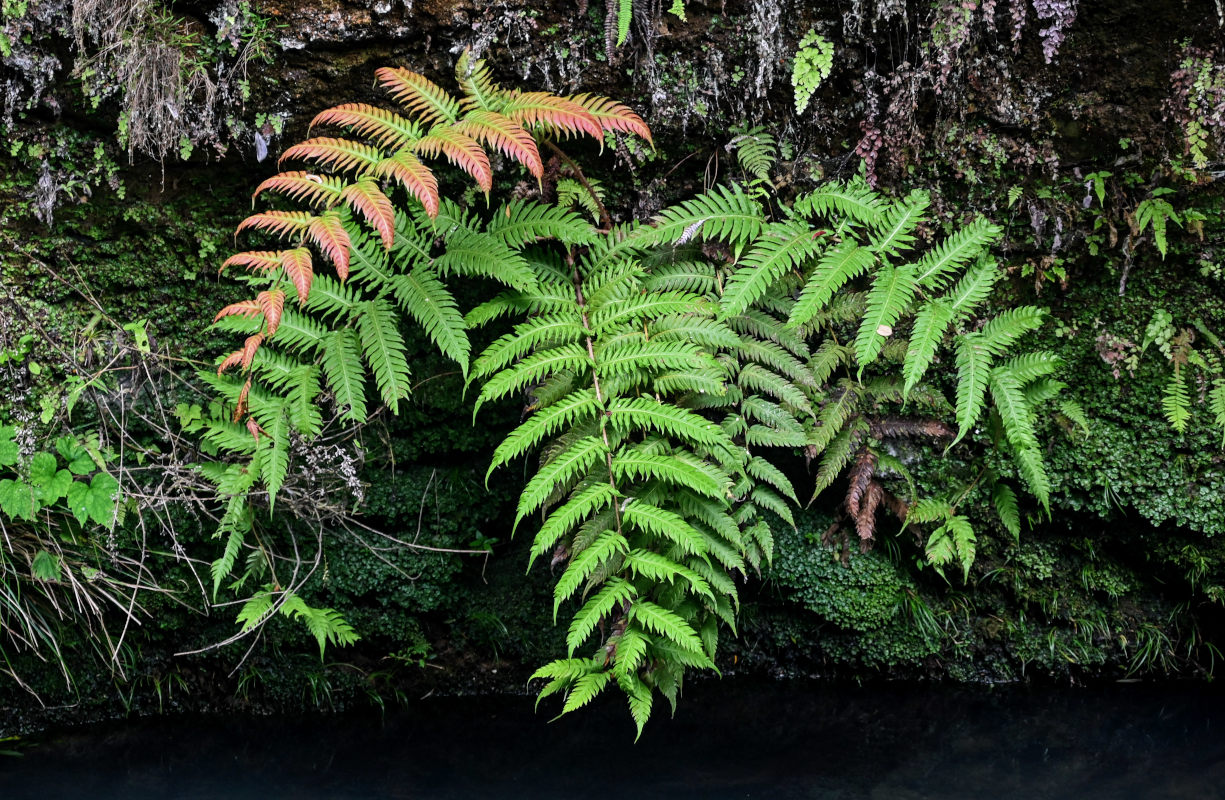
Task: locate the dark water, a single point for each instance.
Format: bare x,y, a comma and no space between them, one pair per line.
727,741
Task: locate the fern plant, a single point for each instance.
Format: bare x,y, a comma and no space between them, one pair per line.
660,363
1204,363
393,240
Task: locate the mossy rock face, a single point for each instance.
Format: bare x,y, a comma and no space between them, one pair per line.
861,593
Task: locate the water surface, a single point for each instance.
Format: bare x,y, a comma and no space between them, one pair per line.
787,740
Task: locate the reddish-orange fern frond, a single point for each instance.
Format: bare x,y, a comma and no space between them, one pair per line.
258,260
462,151
318,190
413,176
229,361
342,154
244,308
506,135
254,429
272,304
419,94
366,198
613,116
330,236
297,264
553,113
387,128
281,223
240,407
249,346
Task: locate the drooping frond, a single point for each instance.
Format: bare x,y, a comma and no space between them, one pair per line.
297,266
329,235
366,198
346,376
461,150
384,350
506,135
419,95
973,371
256,260
416,177
612,116
929,326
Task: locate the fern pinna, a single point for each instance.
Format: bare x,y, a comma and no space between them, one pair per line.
378,217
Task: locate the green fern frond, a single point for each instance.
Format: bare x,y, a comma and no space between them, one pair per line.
1005,501
763,327
684,426
563,469
974,288
1003,330
1176,402
477,253
612,594
895,232
973,372
224,565
854,200
625,13
567,412
567,357
346,377
537,333
929,326
967,243
570,515
1216,407
638,307
838,265
424,298
679,469
838,453
781,247
668,525
384,350
519,223
587,687
665,623
755,378
726,214
892,291
609,544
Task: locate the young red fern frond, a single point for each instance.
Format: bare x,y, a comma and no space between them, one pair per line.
271,303
341,154
258,260
554,114
297,265
461,150
330,236
249,346
506,135
240,407
318,190
387,128
414,176
243,308
280,223
613,116
366,198
419,94
229,361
